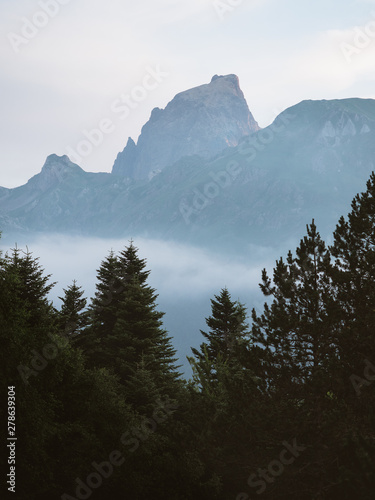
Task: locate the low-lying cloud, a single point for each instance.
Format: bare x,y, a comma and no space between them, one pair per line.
185,277
177,270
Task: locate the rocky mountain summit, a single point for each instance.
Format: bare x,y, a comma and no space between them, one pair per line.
200,121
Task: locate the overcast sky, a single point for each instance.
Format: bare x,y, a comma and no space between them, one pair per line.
70,69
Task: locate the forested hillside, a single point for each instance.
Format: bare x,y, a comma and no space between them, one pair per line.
281,404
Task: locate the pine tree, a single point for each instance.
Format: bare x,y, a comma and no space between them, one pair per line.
296,331
354,276
72,319
298,337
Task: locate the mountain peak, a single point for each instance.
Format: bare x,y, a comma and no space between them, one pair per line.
227,78
202,121
55,170
130,144
55,161
220,88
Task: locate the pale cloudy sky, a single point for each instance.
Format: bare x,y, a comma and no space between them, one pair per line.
66,65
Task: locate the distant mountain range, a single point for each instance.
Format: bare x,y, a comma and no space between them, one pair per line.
203,172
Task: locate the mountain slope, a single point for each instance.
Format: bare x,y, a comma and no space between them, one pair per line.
203,121
308,164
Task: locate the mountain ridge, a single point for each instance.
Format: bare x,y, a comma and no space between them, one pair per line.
309,163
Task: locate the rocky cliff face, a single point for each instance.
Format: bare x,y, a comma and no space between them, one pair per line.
55,170
200,121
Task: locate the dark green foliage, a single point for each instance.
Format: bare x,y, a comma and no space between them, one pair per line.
227,340
60,405
126,333
72,317
297,330
109,290
354,272
304,375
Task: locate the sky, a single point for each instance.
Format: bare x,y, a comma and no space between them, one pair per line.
84,75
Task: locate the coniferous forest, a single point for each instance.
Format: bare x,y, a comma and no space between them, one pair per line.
281,404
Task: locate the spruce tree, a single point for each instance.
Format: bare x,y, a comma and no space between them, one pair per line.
142,341
126,333
72,318
226,339
65,414
226,391
109,290
28,325
27,303
102,312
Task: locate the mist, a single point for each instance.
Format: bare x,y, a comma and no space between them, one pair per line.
185,277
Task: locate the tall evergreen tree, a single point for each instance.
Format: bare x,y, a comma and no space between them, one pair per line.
109,290
26,290
126,333
65,414
228,329
228,399
296,331
72,317
102,312
226,339
354,276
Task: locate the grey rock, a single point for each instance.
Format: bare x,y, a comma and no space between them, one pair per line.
200,121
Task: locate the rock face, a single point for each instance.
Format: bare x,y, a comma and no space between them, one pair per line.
200,121
55,170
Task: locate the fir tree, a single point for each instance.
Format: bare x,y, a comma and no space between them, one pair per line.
226,339
72,319
102,312
126,330
139,332
109,290
66,413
